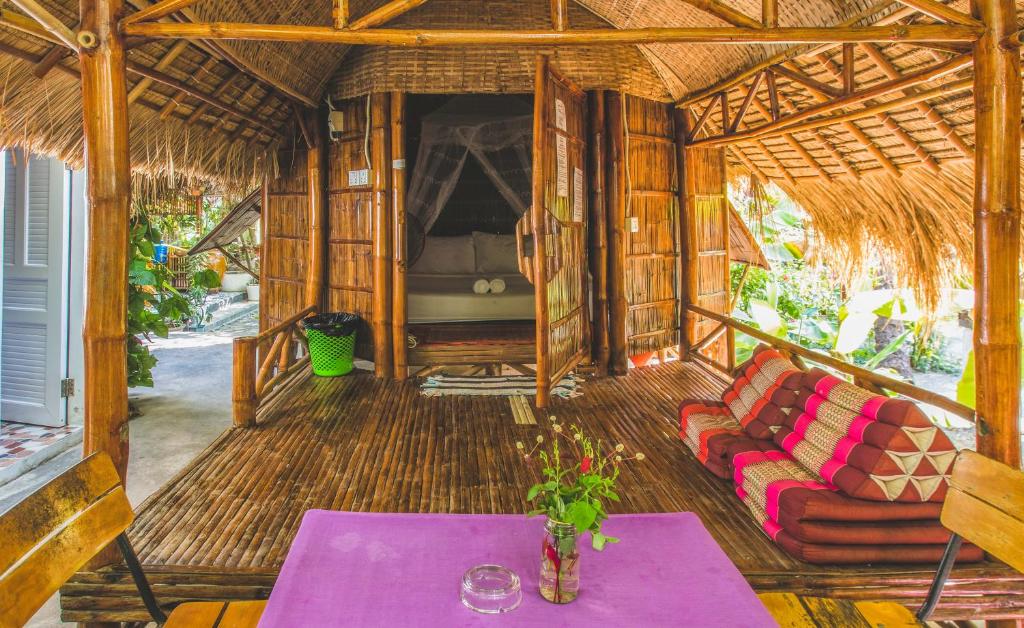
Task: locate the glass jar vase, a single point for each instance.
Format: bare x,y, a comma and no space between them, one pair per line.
560,563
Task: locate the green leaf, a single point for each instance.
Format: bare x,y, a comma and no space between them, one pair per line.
581,514
533,492
854,330
888,350
599,540
965,388
146,248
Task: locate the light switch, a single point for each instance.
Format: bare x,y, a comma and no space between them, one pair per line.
634,224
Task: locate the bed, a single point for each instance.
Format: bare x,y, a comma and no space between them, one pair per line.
440,284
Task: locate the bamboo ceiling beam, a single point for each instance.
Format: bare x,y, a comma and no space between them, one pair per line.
170,81
793,73
770,13
871,93
207,67
157,10
773,94
340,13
830,148
797,146
725,13
899,103
383,14
224,86
930,114
237,133
28,26
743,75
886,120
745,106
849,69
702,120
165,62
52,57
560,15
48,21
217,49
661,35
941,12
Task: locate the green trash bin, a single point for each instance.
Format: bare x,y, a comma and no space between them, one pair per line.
332,342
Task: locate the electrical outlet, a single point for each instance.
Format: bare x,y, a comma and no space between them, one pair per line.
357,178
634,224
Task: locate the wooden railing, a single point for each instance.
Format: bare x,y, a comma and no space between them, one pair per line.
870,380
254,379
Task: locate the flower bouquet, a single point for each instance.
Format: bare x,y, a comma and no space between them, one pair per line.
574,479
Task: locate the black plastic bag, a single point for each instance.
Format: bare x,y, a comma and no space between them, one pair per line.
333,323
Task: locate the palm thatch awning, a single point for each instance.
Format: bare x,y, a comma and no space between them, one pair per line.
742,245
241,217
898,183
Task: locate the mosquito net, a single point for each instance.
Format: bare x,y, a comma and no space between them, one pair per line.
495,132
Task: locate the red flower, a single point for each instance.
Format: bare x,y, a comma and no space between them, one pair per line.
585,464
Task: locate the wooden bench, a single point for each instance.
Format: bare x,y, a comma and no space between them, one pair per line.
54,532
985,506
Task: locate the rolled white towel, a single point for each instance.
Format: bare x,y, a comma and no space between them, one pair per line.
482,286
497,286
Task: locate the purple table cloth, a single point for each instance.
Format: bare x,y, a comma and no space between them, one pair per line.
367,569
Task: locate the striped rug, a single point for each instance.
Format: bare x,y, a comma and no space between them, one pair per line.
444,385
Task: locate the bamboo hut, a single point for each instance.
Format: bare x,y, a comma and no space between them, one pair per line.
895,123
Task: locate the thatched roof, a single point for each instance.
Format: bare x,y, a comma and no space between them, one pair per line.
902,182
231,227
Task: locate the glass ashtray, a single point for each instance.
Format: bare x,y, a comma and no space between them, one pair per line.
490,589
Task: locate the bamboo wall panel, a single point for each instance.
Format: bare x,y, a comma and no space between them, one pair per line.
708,220
350,226
568,335
287,240
652,251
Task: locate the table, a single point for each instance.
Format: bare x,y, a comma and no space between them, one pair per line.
371,569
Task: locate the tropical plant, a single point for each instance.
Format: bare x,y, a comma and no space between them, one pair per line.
573,488
153,303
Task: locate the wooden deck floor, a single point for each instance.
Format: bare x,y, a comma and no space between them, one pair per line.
222,528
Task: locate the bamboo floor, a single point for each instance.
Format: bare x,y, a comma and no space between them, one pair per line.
222,527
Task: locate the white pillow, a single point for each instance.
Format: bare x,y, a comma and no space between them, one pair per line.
446,256
495,253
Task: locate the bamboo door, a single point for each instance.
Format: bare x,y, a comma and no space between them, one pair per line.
558,220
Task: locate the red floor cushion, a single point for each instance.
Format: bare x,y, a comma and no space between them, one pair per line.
763,392
825,554
707,428
866,445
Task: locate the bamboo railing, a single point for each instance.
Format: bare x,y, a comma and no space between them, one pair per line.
875,382
254,379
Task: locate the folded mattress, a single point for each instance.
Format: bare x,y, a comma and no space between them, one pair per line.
450,298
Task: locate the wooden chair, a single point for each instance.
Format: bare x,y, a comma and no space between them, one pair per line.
55,531
985,505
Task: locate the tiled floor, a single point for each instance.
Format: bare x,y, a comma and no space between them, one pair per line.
19,441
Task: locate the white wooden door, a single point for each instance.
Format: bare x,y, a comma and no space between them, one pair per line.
33,341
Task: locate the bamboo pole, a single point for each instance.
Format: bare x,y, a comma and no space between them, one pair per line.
399,307
876,91
29,26
599,229
931,115
733,80
209,99
108,186
560,14
165,62
380,151
682,120
340,13
48,21
316,180
384,14
997,342
243,382
157,10
770,13
538,217
725,13
942,12
897,386
616,184
589,37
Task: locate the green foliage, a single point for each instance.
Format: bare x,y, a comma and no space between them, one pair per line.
575,482
153,303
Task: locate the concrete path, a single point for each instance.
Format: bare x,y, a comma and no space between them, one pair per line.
189,406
